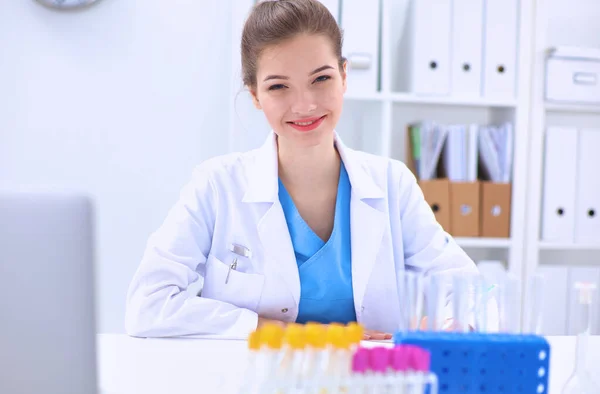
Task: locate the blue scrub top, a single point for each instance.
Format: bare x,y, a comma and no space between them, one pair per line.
325,269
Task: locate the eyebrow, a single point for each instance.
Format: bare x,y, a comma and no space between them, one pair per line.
317,70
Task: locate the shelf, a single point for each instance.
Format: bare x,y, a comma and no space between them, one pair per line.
544,245
480,242
365,97
408,98
573,108
449,100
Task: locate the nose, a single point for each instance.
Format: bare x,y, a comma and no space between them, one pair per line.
304,103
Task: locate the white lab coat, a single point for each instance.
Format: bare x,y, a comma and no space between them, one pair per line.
234,199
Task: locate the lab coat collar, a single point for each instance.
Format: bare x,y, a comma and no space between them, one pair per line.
263,172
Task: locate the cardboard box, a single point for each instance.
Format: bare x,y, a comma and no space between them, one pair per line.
437,195
465,198
495,209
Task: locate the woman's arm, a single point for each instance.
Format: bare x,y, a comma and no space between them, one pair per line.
158,301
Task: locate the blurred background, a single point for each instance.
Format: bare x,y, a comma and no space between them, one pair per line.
120,101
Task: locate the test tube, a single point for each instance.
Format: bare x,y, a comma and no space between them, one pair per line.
379,361
400,362
410,294
534,304
463,301
460,304
437,293
509,305
420,360
480,303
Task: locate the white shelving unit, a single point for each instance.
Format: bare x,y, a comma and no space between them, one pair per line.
557,23
376,122
550,31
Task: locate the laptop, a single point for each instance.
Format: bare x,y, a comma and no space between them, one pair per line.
47,319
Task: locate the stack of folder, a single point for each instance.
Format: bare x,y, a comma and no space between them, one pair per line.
571,186
464,172
461,48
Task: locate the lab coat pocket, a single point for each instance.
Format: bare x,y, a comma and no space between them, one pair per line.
229,285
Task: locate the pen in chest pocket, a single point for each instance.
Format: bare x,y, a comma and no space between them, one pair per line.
238,250
232,266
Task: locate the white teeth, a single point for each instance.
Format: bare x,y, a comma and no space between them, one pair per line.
303,123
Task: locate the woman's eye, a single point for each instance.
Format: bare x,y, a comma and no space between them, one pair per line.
276,87
322,78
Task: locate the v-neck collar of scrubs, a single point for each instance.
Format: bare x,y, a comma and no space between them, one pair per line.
308,245
325,268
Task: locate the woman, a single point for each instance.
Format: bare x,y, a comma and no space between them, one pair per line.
301,229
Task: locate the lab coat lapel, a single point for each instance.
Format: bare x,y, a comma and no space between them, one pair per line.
275,237
367,222
262,191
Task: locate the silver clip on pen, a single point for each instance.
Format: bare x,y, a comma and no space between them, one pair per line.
240,251
232,266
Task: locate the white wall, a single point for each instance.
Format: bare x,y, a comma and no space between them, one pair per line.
120,100
573,23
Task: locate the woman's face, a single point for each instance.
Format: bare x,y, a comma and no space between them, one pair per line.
300,89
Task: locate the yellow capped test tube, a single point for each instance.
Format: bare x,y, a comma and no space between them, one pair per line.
295,336
253,374
254,340
337,336
315,335
355,333
292,363
271,340
271,336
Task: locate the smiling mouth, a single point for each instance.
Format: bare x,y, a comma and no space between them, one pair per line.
307,122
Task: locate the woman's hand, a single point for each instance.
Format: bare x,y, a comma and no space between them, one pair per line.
375,335
263,320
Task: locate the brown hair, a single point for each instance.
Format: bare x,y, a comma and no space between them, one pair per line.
272,22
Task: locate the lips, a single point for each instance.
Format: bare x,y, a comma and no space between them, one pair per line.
307,124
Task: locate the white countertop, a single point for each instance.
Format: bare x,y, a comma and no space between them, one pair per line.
209,365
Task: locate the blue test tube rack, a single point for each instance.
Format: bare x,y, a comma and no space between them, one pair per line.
478,363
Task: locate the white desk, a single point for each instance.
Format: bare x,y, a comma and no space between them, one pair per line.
193,366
